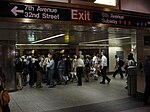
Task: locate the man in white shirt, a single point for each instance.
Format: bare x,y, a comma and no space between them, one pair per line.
79,67
103,69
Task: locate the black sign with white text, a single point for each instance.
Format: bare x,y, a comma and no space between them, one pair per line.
47,12
124,20
33,11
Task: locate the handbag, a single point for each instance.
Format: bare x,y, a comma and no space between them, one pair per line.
5,107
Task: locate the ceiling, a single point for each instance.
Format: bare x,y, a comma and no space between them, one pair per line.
74,34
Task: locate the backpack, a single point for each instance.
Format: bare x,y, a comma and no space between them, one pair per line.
121,63
87,63
62,64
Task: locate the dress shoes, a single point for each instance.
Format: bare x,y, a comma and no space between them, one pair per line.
102,82
51,86
109,81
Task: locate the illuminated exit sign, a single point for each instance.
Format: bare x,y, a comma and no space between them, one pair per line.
81,15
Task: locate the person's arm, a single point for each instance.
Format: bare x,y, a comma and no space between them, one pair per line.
102,62
58,64
83,63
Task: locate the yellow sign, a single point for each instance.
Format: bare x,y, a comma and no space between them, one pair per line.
66,38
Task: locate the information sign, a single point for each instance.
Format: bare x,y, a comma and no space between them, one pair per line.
47,12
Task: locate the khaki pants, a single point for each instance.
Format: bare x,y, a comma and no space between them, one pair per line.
19,78
39,79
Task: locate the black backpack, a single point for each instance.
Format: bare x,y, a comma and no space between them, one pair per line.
62,64
121,63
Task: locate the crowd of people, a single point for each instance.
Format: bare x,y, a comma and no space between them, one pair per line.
59,69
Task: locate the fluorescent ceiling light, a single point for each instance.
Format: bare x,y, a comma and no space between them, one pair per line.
29,1
41,44
121,38
106,2
95,41
93,45
49,38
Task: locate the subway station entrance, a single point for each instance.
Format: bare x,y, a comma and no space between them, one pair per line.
42,27
39,28
27,38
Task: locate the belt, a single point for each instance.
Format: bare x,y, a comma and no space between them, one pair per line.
79,66
50,68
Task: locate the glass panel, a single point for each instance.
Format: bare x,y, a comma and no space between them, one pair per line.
85,2
26,33
31,33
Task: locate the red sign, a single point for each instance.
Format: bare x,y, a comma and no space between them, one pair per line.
81,15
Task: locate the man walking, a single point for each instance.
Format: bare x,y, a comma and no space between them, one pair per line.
118,67
103,69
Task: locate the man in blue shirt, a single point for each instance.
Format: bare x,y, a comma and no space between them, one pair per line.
50,70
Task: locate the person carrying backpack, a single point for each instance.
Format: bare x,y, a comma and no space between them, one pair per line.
119,64
4,100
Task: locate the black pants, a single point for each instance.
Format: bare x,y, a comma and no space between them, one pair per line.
79,75
118,70
32,78
147,89
103,72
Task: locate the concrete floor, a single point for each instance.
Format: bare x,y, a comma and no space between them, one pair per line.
91,97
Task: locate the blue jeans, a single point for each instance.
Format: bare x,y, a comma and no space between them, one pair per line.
50,73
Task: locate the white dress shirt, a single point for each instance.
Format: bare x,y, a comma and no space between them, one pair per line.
103,61
79,63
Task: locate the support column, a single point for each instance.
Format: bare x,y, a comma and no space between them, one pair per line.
142,52
7,63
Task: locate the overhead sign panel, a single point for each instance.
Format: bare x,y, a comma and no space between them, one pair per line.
33,11
124,20
47,12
